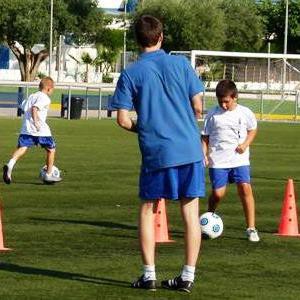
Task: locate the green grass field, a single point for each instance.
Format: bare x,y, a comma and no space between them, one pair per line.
78,239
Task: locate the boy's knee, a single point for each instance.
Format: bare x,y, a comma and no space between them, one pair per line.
52,150
244,189
218,194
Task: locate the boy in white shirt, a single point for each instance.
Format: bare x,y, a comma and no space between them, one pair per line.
229,129
35,131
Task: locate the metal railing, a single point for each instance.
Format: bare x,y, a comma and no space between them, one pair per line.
265,104
70,87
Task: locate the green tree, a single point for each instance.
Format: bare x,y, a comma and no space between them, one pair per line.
109,43
244,26
273,15
87,60
187,23
24,24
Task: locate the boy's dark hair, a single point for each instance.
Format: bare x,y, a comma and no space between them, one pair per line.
46,82
226,88
148,30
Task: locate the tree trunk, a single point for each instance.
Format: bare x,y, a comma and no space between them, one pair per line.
29,61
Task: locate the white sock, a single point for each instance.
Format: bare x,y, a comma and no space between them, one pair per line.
10,165
188,273
149,272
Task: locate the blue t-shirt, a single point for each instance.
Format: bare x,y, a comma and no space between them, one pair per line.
160,88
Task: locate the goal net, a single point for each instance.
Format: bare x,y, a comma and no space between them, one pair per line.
267,82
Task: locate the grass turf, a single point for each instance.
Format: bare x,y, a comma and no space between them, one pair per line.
78,239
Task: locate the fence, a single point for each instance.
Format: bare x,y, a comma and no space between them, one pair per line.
266,105
11,89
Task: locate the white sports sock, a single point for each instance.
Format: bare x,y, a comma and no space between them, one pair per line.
149,272
188,273
10,165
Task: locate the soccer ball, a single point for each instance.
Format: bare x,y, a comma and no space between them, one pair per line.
211,225
55,172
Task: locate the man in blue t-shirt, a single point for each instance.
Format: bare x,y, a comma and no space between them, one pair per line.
167,97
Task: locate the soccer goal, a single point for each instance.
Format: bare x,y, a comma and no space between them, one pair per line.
250,71
268,82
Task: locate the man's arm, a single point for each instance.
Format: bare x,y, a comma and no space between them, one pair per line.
35,117
197,105
125,122
250,137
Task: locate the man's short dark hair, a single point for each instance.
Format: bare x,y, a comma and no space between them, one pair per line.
148,30
226,88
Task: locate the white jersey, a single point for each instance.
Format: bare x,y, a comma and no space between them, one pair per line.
42,102
226,130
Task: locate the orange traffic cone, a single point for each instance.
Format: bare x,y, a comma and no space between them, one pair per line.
2,248
161,223
289,222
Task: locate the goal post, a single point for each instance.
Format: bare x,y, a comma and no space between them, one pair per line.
259,78
254,71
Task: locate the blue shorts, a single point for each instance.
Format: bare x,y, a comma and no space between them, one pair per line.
26,140
221,177
186,181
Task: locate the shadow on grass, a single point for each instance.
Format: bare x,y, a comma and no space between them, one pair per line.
62,275
106,224
29,183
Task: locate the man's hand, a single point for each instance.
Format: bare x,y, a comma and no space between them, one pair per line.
125,122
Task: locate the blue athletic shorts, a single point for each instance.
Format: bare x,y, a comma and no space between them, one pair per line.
26,140
173,183
221,177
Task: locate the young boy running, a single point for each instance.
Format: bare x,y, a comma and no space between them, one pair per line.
166,95
35,130
229,130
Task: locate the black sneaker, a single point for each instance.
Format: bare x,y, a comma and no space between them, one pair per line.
178,284
6,178
149,285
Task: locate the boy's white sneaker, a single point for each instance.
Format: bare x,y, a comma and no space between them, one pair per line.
252,235
51,179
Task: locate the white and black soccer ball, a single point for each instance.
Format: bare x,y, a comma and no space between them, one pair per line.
211,225
55,172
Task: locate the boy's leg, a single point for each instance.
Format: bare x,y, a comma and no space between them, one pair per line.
8,168
50,156
246,196
19,153
219,179
48,143
215,197
48,177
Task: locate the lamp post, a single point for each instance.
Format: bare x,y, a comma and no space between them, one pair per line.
270,38
285,42
51,36
124,35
